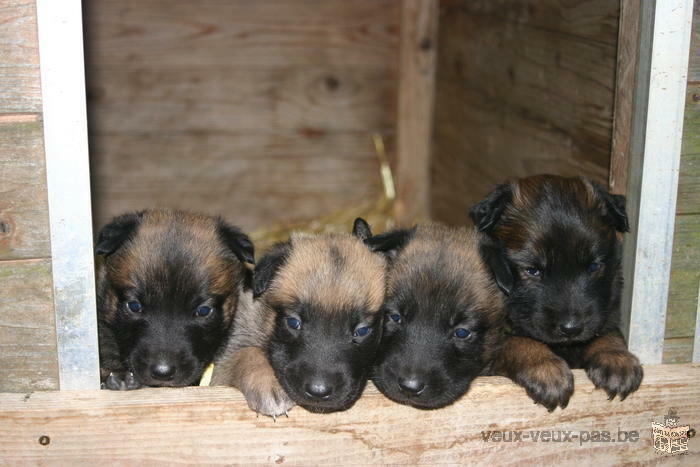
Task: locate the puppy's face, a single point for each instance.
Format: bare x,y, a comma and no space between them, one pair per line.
168,291
326,292
559,254
442,316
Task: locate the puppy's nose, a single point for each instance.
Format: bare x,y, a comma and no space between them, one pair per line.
318,389
163,371
571,328
412,386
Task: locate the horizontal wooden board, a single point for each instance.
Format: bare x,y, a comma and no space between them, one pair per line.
678,350
181,34
24,220
28,359
20,86
214,425
252,179
522,88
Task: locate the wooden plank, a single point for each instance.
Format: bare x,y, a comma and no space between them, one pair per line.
416,95
24,221
685,276
689,175
27,334
627,50
678,349
522,88
260,111
20,87
252,179
694,59
214,425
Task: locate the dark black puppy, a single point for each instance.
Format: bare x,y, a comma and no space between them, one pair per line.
311,335
443,315
560,266
167,292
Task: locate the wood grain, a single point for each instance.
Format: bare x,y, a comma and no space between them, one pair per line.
214,425
27,334
694,59
262,111
627,49
416,95
24,221
20,87
522,87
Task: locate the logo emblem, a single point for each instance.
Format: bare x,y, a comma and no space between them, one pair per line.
669,437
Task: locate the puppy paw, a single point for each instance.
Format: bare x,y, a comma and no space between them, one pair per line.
549,382
121,381
269,399
617,372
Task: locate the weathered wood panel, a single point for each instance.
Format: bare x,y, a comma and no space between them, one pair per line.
416,96
685,265
214,425
24,221
27,333
20,87
260,110
522,87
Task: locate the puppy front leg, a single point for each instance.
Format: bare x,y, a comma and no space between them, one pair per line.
249,370
113,375
546,377
611,366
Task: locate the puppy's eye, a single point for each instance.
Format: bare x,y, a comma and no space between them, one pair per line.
461,333
593,267
134,305
395,317
293,323
203,311
362,331
534,272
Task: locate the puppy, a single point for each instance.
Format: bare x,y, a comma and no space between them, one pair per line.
167,292
311,334
559,262
443,315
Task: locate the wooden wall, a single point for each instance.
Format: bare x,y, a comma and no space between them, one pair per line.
28,358
260,110
522,87
685,265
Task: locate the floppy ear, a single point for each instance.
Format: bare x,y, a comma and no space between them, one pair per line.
390,243
614,213
267,267
494,257
236,241
118,231
361,229
487,212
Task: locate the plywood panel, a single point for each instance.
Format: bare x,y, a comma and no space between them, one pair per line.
260,110
24,221
27,334
522,88
214,425
20,87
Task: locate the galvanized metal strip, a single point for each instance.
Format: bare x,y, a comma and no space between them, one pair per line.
68,179
654,163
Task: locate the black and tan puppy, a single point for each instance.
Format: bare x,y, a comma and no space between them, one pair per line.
443,315
559,262
167,292
311,334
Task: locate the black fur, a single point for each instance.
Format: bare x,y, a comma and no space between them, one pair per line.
237,242
267,267
117,232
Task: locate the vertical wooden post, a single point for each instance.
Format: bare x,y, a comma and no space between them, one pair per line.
68,181
417,58
655,149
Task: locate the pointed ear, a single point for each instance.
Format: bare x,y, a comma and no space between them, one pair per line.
614,211
236,241
494,257
119,230
267,267
361,229
390,243
487,212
